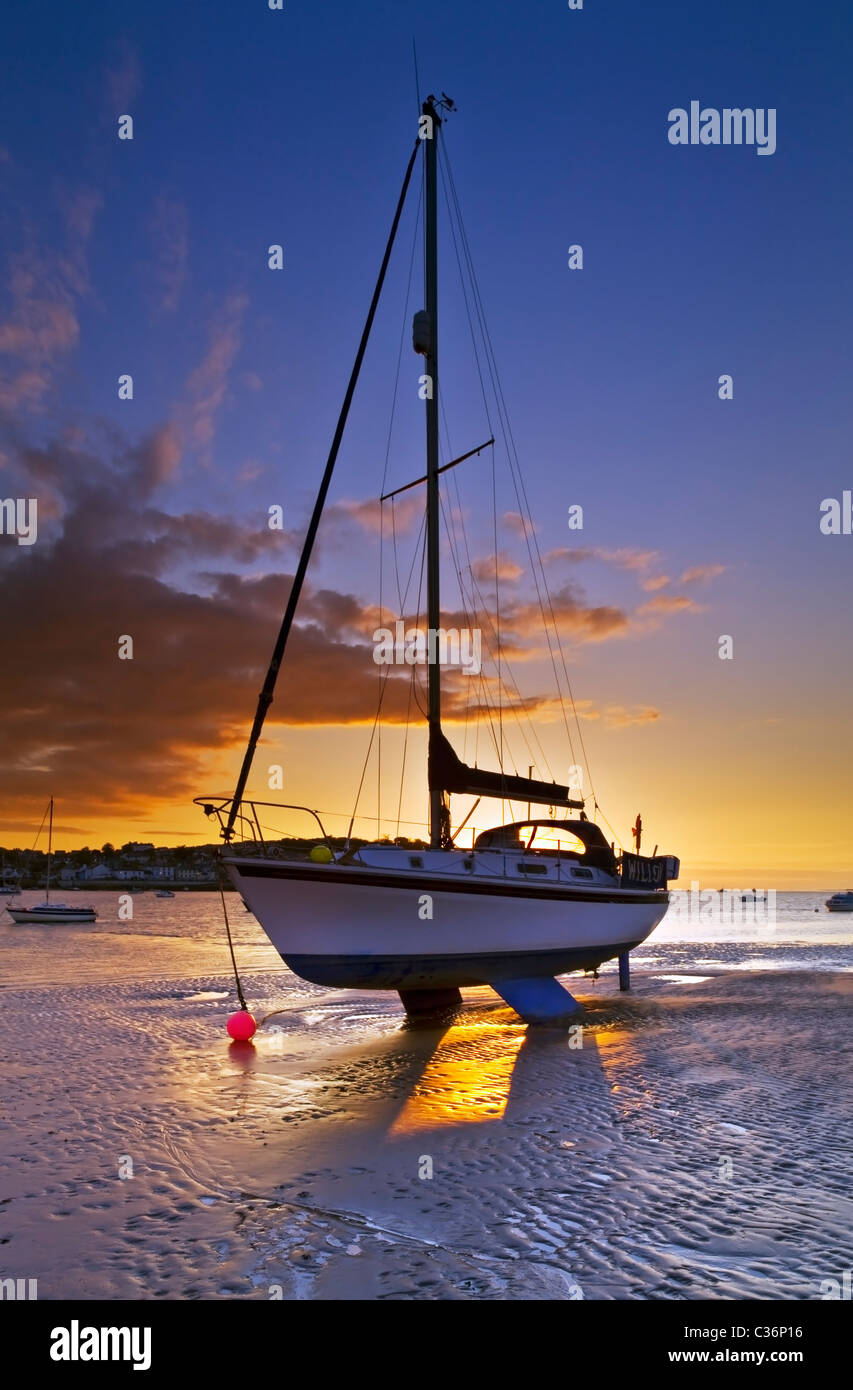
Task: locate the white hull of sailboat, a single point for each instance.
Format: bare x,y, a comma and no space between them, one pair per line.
359,927
48,916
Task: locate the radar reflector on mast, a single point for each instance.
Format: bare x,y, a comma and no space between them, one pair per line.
421,332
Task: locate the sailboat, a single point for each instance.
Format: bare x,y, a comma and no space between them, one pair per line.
47,912
529,900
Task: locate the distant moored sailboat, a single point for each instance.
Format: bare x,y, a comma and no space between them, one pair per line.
47,912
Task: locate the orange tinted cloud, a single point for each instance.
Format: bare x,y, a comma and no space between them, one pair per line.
112,736
625,558
518,525
484,569
668,603
701,573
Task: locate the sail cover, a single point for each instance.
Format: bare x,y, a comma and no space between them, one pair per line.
448,773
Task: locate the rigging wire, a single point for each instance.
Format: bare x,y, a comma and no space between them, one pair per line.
537,566
518,477
533,568
514,690
452,202
221,877
384,680
417,79
464,531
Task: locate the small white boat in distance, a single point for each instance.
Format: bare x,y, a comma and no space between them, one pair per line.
51,912
841,902
164,893
47,912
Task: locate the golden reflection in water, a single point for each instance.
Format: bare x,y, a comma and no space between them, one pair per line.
466,1080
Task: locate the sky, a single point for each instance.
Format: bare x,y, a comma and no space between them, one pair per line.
701,516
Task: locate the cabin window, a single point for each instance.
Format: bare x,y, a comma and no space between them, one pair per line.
416,861
551,839
582,873
526,868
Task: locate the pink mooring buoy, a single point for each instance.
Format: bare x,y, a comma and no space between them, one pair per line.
242,1026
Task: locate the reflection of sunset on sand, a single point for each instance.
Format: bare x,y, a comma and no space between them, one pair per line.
480,1062
467,1080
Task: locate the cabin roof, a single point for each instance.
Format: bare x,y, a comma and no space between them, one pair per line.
587,832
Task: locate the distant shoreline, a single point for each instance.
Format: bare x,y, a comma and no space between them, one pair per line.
126,886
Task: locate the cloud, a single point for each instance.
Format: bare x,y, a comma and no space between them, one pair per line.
202,597
483,569
207,384
626,558
80,207
518,525
374,516
617,717
168,226
79,718
42,322
44,285
549,709
123,78
24,389
668,603
701,573
573,617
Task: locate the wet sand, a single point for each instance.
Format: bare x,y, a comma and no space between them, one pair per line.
692,1143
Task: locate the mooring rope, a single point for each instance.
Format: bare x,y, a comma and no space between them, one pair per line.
221,868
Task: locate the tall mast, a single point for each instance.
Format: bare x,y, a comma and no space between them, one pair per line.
432,502
49,850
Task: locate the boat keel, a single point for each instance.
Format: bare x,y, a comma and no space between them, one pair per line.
542,1000
420,1002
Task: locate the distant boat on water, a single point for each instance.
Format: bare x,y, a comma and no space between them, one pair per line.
47,912
841,902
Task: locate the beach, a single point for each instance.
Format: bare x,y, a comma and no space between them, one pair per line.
692,1141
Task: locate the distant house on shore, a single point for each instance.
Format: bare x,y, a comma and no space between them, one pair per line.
93,872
